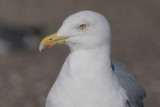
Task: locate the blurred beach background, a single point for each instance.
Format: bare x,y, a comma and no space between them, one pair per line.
26,75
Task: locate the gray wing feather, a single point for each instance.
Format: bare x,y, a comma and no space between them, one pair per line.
134,90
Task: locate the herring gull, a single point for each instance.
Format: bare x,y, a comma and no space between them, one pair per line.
88,78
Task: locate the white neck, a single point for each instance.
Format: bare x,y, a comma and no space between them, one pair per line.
91,61
86,76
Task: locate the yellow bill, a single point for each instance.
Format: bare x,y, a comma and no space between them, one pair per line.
52,40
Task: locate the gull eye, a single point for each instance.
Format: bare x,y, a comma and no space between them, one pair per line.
82,26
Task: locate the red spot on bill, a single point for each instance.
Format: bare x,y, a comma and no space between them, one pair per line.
47,46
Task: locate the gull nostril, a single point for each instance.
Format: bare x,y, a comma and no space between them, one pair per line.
50,38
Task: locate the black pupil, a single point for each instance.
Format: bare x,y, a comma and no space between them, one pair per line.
82,26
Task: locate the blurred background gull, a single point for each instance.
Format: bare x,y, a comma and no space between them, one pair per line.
14,38
26,75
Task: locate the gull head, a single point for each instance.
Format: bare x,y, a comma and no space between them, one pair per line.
82,30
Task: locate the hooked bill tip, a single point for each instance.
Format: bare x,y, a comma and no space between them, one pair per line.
44,46
41,48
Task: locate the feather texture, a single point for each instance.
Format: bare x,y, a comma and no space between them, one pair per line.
135,91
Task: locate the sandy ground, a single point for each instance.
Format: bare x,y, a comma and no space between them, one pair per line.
27,76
